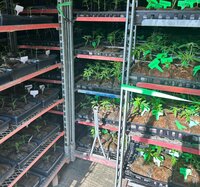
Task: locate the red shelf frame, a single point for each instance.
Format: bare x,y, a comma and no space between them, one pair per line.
31,120
96,158
30,76
106,58
56,112
46,81
40,11
13,28
166,144
101,19
39,47
36,159
106,126
174,89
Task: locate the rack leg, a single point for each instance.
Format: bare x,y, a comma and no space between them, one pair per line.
55,181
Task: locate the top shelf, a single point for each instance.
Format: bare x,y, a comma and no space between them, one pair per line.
13,28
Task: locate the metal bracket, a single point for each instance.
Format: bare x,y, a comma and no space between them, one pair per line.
97,137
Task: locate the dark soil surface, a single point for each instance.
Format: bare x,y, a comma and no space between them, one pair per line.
29,180
174,72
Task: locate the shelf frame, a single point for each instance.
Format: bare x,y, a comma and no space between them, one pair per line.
39,47
36,157
29,121
14,28
29,76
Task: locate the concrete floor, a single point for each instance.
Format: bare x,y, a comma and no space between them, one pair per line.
83,173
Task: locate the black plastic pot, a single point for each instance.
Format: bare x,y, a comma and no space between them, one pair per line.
26,181
43,61
18,118
48,100
5,125
11,156
22,20
42,168
7,173
5,77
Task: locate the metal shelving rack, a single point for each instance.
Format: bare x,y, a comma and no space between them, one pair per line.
11,29
175,18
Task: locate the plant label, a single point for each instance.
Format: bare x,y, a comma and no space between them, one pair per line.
193,123
19,9
47,52
157,161
42,87
24,59
174,153
28,87
34,93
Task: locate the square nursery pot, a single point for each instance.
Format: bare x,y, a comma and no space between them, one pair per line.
9,154
4,124
6,171
21,113
43,61
30,179
45,132
6,19
49,95
48,162
5,75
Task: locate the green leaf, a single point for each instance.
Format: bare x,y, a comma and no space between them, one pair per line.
104,131
94,44
179,126
196,69
185,172
155,65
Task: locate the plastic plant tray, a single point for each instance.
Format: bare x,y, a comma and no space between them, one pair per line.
24,182
46,101
16,161
100,14
6,19
22,71
8,173
47,136
46,172
5,125
22,116
190,139
135,78
5,77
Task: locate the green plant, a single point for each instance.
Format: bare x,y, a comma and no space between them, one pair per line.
88,72
175,110
112,37
87,39
152,153
86,4
2,102
157,108
106,105
116,70
14,104
104,74
196,69
189,111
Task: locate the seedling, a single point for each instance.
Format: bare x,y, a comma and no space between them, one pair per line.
196,69
87,74
106,105
47,158
87,38
188,112
157,108
185,172
175,110
179,125
14,104
187,3
112,37
17,146
116,70
2,102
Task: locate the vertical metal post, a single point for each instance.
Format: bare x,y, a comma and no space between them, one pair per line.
128,44
12,37
65,72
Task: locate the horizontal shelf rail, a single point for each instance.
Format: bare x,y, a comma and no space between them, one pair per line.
6,135
103,126
13,28
165,144
101,19
165,88
56,112
20,172
46,81
29,76
95,158
39,47
40,11
95,57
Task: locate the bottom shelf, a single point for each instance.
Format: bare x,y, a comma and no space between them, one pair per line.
95,158
19,172
59,166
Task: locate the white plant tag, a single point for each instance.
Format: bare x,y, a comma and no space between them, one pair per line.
47,52
42,87
28,87
24,59
19,9
157,161
174,153
34,93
